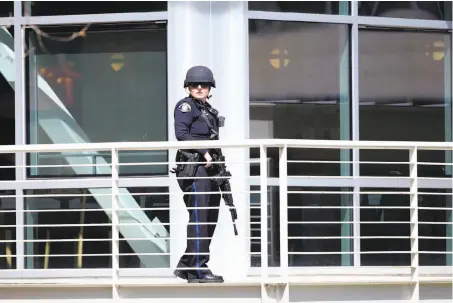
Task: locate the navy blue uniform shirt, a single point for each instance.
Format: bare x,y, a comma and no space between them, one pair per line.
189,123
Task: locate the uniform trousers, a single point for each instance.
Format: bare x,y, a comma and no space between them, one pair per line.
203,208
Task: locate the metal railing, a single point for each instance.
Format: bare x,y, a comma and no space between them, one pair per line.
342,223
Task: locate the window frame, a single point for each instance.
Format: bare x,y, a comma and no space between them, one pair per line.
358,181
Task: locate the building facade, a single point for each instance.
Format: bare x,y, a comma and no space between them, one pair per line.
111,73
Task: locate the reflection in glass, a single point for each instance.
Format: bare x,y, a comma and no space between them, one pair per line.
109,85
299,76
7,230
310,7
405,95
428,10
56,239
7,111
154,243
53,8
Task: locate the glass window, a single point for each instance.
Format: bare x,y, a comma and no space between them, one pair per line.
109,85
311,7
430,10
6,8
8,230
300,89
319,226
273,237
52,8
385,227
288,101
71,228
435,217
7,104
405,95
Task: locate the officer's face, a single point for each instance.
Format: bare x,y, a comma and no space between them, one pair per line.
199,90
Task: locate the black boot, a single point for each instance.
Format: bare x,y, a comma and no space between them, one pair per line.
208,278
180,274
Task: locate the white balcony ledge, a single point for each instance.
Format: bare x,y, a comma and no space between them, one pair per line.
168,282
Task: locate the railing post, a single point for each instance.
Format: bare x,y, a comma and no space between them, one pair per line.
283,207
283,183
20,110
414,222
264,212
115,222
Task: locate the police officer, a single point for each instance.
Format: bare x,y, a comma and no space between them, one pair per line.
195,119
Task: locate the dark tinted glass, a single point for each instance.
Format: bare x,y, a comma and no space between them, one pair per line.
8,230
7,111
54,217
311,7
320,226
6,8
385,227
272,223
430,10
54,8
435,215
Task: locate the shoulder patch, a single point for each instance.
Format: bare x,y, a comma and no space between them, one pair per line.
185,107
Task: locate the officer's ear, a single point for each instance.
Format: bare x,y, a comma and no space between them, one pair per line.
187,90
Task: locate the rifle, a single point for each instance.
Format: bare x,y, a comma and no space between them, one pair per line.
222,179
222,175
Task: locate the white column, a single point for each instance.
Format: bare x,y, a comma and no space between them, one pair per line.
214,34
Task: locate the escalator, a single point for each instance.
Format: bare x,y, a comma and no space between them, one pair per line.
61,127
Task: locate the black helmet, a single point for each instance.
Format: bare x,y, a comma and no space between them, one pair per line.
199,74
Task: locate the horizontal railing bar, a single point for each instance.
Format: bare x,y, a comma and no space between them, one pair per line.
376,207
243,282
234,252
250,143
210,223
165,163
108,240
368,162
109,224
326,192
361,207
243,237
162,163
350,252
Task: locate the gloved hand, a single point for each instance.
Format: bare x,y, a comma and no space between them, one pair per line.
208,158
